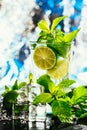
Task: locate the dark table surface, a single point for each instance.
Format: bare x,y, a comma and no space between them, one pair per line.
26,125
23,125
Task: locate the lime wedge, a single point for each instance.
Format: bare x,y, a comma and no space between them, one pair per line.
44,57
59,70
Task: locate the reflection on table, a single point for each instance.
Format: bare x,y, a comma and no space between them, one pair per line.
24,125
36,125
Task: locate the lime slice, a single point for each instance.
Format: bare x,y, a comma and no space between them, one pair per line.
44,57
60,70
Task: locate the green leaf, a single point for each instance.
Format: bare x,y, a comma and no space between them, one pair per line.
71,36
62,109
62,92
42,39
83,115
43,25
65,83
79,95
56,21
44,81
21,85
45,37
83,106
63,88
81,112
7,89
52,87
47,83
33,46
58,35
15,85
78,112
10,98
43,98
61,48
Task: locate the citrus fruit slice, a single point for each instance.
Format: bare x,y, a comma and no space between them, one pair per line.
60,70
44,57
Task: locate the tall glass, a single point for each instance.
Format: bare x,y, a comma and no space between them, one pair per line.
20,108
51,54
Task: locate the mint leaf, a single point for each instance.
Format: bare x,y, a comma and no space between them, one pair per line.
82,111
56,21
62,109
47,83
15,85
79,95
44,81
7,89
21,85
43,98
45,37
61,48
9,99
58,36
43,25
83,115
71,36
52,87
64,87
65,83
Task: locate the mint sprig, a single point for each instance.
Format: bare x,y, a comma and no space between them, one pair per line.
54,38
66,103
